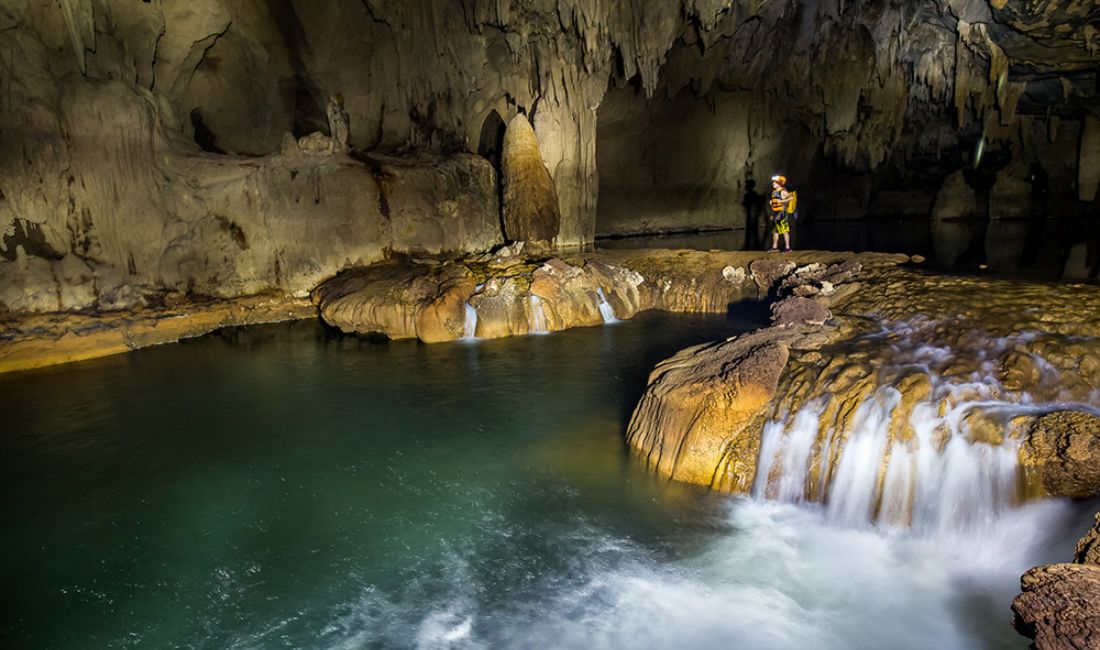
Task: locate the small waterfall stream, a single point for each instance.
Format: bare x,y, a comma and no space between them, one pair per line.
606,310
469,327
538,316
934,461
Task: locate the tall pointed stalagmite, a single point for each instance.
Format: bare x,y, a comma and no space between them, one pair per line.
531,211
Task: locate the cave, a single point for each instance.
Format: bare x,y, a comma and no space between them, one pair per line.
550,323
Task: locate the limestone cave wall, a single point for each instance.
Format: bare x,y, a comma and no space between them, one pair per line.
142,142
965,127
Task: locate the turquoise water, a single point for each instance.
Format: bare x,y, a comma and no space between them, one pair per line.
284,487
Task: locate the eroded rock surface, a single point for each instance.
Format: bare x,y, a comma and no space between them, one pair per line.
47,339
925,360
512,293
530,203
1060,605
1061,453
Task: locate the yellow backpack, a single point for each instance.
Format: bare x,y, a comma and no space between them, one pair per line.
792,207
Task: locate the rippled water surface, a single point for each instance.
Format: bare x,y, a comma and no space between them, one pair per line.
280,487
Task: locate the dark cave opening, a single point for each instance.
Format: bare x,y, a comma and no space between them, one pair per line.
203,136
490,145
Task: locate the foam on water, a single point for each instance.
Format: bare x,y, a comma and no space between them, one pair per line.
777,576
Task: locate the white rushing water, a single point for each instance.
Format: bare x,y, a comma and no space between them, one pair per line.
775,576
469,327
944,478
606,310
538,316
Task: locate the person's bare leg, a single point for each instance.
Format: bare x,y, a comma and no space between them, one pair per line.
775,241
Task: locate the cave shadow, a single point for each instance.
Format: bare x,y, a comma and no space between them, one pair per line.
753,203
491,147
741,317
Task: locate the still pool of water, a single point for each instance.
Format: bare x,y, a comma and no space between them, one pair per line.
283,487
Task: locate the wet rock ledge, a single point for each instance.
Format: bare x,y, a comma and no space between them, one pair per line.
39,340
1060,605
512,292
885,334
509,292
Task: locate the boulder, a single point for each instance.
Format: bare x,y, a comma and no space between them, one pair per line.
1060,605
1061,454
800,310
769,270
700,418
1088,547
501,309
443,318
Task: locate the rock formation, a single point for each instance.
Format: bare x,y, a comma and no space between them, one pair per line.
1060,605
1061,453
530,203
941,359
513,294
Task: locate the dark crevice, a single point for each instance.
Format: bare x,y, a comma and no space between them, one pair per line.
203,136
309,98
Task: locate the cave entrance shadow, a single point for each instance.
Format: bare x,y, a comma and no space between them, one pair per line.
751,311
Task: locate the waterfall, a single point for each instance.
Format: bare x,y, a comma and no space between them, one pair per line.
538,316
932,465
606,310
469,328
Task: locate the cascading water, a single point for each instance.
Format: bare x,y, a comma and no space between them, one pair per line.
606,310
538,316
940,459
469,327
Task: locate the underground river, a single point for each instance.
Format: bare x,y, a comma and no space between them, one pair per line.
284,487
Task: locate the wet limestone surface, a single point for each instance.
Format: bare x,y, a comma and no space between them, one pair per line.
977,357
399,300
40,340
1060,605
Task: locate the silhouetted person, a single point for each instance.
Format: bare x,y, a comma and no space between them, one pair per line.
753,202
1040,188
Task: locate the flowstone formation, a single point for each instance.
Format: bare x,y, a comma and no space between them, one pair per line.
888,380
511,293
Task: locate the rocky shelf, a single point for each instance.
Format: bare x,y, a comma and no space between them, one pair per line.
37,340
511,292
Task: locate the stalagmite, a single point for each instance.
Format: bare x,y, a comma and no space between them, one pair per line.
530,202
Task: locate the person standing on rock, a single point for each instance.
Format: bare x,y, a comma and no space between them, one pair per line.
338,128
781,209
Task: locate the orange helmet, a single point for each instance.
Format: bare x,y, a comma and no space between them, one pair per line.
782,180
